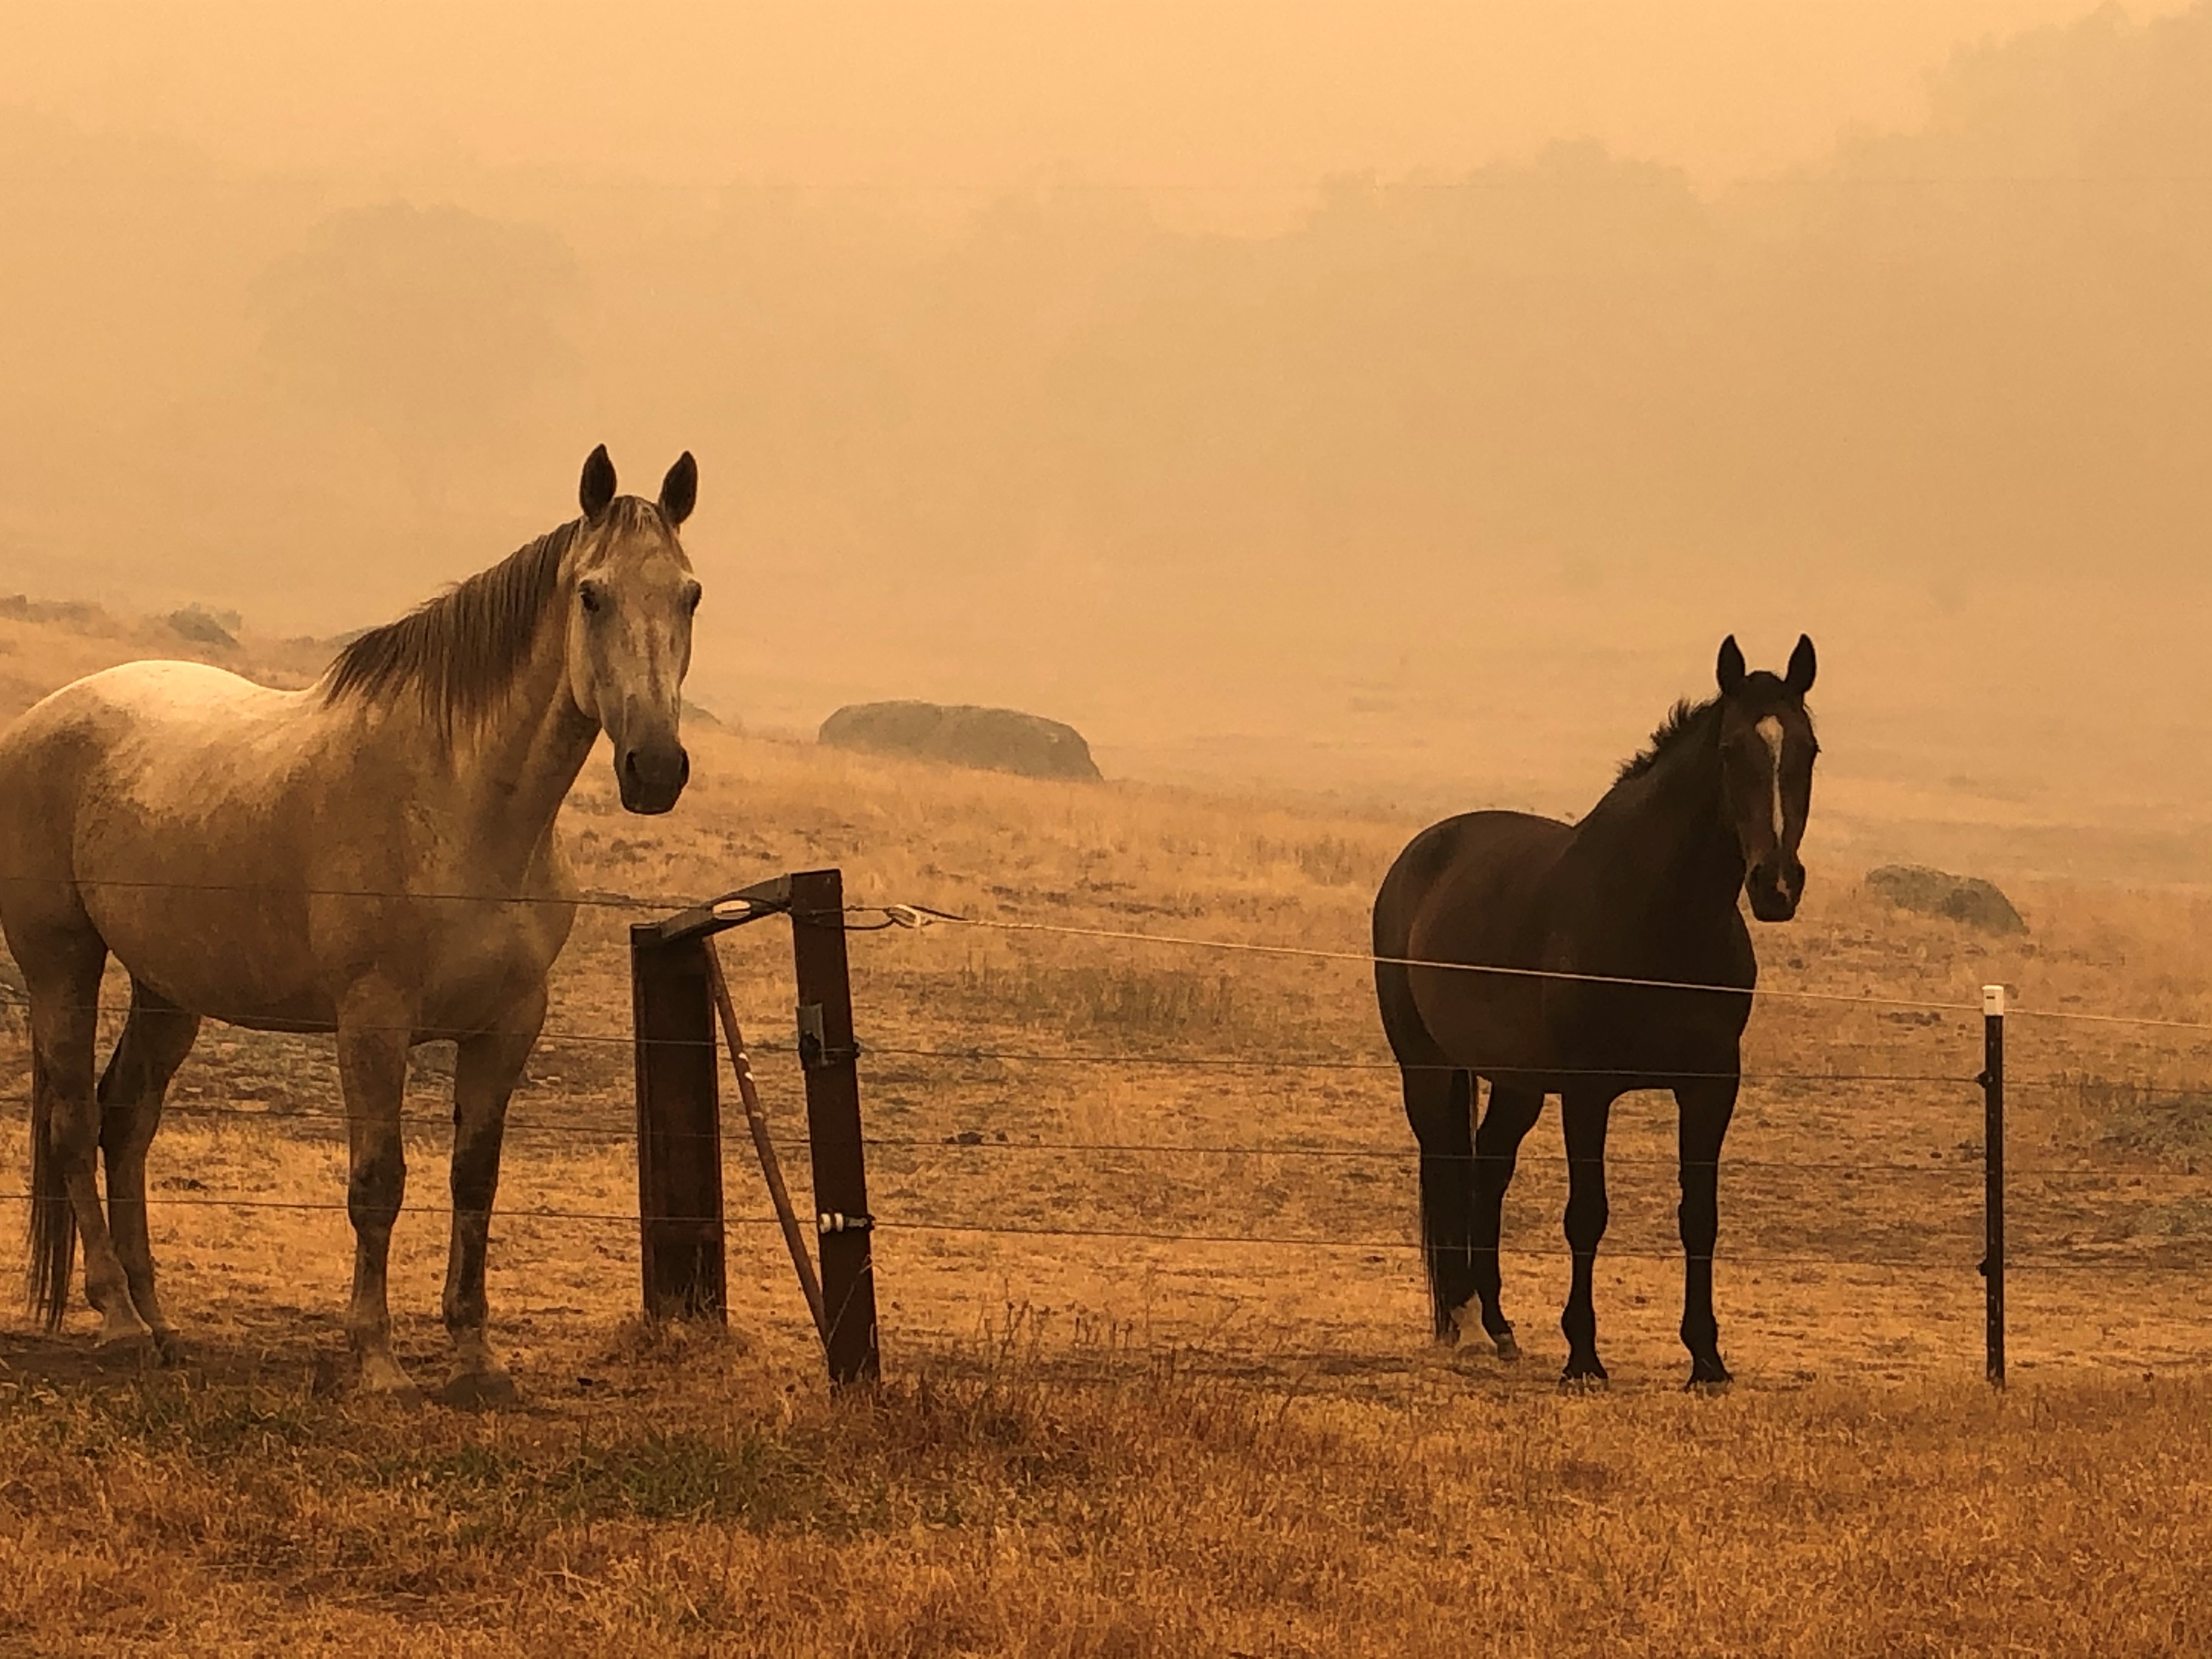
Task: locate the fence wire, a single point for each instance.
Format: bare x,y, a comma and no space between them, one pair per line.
886,917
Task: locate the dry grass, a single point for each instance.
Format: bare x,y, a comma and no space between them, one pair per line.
1133,1446
713,1501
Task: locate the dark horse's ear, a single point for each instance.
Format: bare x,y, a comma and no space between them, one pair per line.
1731,670
597,487
1799,680
679,489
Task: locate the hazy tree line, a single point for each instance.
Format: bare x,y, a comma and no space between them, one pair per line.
1988,340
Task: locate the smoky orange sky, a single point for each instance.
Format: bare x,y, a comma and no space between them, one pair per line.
1391,400
1213,97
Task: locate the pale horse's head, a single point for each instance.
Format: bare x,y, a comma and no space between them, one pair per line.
631,597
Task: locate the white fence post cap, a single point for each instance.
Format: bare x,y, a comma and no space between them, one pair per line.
1993,999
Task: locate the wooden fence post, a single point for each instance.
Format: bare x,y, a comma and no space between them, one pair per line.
679,1127
829,1058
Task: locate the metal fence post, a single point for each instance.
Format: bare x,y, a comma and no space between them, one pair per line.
679,1128
1993,1257
829,1058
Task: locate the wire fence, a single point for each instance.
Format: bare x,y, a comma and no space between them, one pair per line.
1959,1163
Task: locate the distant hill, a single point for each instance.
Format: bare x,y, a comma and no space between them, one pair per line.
45,643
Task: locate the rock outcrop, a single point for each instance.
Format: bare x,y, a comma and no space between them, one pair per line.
1966,899
990,739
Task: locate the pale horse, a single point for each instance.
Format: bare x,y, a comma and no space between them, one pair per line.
373,855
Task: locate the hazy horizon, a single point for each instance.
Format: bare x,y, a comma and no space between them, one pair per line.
1396,400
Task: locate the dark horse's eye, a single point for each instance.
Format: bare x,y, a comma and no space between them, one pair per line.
589,593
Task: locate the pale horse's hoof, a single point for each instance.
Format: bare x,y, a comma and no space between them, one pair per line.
472,1390
382,1379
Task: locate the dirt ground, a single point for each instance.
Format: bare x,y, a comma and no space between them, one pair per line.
1096,1440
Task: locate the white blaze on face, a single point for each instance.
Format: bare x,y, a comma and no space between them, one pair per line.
1770,730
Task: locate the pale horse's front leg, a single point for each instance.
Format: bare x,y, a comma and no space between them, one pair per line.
375,1028
485,1071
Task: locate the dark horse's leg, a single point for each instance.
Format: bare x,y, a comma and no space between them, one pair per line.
1705,1108
1506,1120
1585,1115
1440,1105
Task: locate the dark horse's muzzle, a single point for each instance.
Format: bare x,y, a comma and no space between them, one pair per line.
652,776
1774,886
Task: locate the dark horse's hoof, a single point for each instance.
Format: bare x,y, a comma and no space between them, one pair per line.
1500,1340
1708,1376
1584,1374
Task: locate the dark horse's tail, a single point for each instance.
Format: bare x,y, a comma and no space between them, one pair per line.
51,1243
1440,1106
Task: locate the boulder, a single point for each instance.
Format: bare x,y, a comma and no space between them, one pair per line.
202,629
1966,899
990,739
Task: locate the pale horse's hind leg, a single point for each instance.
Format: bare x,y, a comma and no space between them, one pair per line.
62,970
375,1025
485,1071
155,1040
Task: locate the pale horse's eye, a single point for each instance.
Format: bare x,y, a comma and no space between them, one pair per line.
692,594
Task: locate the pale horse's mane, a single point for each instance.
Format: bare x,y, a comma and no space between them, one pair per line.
460,652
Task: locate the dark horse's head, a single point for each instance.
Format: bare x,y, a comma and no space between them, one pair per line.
1767,750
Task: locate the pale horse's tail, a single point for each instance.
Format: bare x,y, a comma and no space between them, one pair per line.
50,1241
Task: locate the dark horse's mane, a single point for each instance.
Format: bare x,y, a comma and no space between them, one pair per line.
461,651
1683,719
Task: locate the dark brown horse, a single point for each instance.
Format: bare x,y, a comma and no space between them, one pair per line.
1644,889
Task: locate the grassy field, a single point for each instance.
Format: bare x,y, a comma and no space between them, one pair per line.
1128,1445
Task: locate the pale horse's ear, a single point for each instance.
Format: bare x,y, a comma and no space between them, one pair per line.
679,489
597,487
1730,670
1799,680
